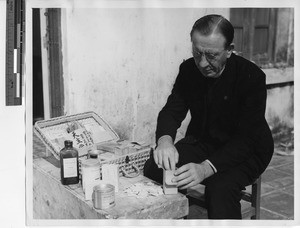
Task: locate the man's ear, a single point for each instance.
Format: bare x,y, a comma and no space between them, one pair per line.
230,50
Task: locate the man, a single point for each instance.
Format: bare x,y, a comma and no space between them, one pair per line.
228,143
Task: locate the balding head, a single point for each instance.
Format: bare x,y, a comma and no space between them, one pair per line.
213,23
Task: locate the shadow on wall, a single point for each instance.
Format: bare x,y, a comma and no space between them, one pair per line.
280,116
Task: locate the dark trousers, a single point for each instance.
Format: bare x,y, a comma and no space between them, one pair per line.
222,190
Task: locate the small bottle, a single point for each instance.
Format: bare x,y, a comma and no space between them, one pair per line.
69,167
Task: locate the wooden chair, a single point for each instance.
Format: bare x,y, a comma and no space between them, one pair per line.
250,203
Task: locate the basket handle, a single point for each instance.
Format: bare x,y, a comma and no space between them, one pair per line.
126,174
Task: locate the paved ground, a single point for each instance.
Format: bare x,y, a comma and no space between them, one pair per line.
277,200
277,190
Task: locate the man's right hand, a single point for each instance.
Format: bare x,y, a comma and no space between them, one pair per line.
165,154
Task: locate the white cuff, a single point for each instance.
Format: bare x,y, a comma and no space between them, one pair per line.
213,167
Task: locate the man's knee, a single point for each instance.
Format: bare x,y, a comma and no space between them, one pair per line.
221,190
223,199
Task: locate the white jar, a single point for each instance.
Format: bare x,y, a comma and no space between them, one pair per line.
90,172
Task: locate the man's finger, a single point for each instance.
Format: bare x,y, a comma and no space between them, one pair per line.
181,177
159,156
155,157
176,157
172,162
181,169
184,182
166,162
189,185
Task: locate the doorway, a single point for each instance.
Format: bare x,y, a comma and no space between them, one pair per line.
37,75
48,87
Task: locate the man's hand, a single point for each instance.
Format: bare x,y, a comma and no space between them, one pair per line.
192,174
165,154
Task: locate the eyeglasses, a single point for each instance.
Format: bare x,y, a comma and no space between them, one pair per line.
209,55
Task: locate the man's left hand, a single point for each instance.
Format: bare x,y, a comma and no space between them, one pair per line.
192,174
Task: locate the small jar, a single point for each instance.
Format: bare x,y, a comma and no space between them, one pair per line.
90,171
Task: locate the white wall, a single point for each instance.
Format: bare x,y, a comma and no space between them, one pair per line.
122,63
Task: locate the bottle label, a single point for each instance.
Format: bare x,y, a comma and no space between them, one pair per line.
70,167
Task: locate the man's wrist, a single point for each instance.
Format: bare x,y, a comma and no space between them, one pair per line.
165,138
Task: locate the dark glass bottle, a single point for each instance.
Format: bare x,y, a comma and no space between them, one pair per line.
69,167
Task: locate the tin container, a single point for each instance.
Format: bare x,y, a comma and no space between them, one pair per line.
103,196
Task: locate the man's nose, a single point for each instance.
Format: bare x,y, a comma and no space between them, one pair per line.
202,61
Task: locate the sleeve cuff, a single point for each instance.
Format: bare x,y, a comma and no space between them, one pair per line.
211,165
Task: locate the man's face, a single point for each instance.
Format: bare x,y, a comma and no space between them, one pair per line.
209,53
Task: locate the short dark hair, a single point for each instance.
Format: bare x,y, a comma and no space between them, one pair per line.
214,23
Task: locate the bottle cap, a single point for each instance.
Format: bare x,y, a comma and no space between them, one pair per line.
93,153
68,143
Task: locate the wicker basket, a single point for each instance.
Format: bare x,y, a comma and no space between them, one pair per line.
53,132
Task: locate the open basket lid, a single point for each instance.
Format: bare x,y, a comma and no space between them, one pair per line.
84,129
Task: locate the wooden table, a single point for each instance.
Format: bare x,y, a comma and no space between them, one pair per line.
52,200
